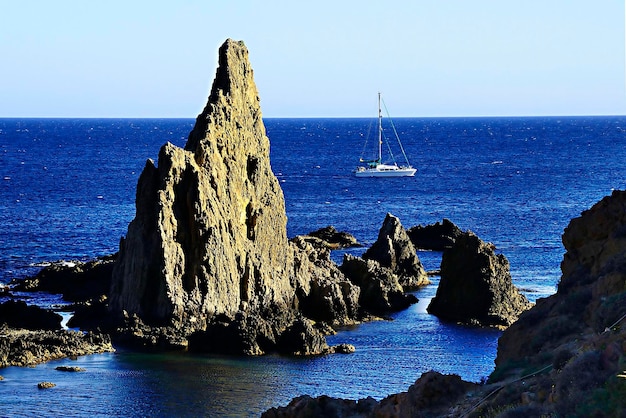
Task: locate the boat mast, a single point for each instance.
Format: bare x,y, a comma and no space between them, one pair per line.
380,132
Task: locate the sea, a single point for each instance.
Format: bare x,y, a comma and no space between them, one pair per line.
67,192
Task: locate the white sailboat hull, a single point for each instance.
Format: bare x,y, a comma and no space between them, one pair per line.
375,168
384,170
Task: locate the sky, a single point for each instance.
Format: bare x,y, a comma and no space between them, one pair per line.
429,58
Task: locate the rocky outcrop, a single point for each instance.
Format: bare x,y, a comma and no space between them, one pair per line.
306,406
591,296
393,249
476,285
576,336
207,251
562,357
432,395
328,296
334,238
435,237
381,292
16,314
20,347
75,280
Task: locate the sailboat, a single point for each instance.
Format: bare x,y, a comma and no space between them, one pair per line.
376,168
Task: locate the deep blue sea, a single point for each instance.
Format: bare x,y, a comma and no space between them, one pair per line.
67,189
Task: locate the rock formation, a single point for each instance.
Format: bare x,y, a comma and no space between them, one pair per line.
16,314
476,285
21,347
208,249
334,238
75,280
30,335
591,296
393,249
562,357
381,292
432,395
436,237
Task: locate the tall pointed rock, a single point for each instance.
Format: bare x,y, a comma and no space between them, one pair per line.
209,236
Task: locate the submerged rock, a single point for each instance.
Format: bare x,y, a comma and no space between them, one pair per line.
476,286
393,249
208,244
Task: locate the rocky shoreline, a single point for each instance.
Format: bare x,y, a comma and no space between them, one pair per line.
565,356
206,266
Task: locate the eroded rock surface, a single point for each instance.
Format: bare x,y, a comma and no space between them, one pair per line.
562,357
21,347
75,280
381,292
393,249
591,296
208,246
476,285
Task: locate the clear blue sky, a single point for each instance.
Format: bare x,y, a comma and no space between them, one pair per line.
316,58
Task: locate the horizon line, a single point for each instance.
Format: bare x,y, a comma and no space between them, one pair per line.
325,117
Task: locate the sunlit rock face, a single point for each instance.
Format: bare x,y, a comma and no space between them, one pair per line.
209,237
393,249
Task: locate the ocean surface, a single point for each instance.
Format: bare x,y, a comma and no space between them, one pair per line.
67,189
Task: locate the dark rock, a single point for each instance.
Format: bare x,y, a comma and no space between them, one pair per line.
75,280
344,348
16,314
435,237
302,339
91,315
562,357
591,297
328,296
20,347
69,369
393,249
476,285
381,291
334,238
324,406
432,395
45,385
133,333
253,335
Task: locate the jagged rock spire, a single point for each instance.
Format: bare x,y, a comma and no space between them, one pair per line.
207,253
210,228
